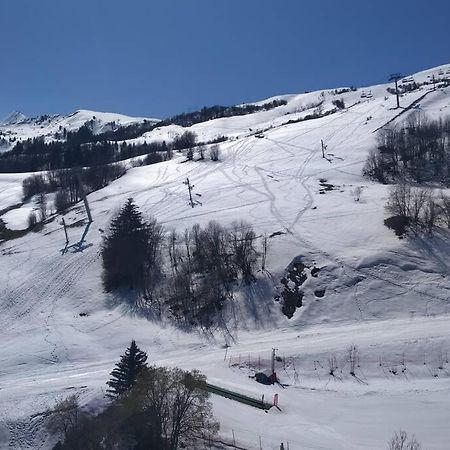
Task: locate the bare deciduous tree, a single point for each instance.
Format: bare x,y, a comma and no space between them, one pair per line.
353,359
356,193
32,220
65,417
401,441
332,365
243,242
174,405
399,201
265,242
214,152
201,152
418,205
42,203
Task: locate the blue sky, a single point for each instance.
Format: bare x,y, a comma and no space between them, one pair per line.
157,58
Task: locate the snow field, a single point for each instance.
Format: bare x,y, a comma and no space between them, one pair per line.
386,296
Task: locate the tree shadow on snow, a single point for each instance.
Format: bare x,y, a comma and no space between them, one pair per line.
254,305
131,303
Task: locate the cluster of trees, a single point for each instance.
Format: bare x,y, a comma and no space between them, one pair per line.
419,152
151,408
190,274
404,88
214,152
35,154
344,90
3,142
339,103
218,111
67,180
186,140
125,133
205,263
417,208
316,114
66,183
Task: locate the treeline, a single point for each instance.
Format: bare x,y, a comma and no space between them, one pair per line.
418,152
190,275
127,132
218,111
93,178
34,155
150,408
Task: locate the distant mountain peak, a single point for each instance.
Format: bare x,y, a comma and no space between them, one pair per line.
14,118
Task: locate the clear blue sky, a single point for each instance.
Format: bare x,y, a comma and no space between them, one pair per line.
157,58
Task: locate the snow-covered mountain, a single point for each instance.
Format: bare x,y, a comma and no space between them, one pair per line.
390,298
13,118
18,127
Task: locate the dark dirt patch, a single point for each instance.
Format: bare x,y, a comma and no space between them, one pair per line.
398,224
325,186
292,295
277,233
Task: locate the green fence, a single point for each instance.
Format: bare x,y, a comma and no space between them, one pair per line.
241,398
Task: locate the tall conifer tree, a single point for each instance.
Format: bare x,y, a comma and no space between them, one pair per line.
125,250
124,375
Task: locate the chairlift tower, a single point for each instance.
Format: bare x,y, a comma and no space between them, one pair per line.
324,147
190,187
395,77
83,196
272,368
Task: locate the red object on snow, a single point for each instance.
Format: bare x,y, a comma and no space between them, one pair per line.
275,400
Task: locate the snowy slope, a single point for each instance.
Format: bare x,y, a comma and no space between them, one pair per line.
388,297
18,127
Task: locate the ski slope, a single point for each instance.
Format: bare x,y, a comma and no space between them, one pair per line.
389,297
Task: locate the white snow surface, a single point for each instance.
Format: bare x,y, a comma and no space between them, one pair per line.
389,297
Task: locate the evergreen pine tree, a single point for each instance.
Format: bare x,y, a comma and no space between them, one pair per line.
125,250
126,371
